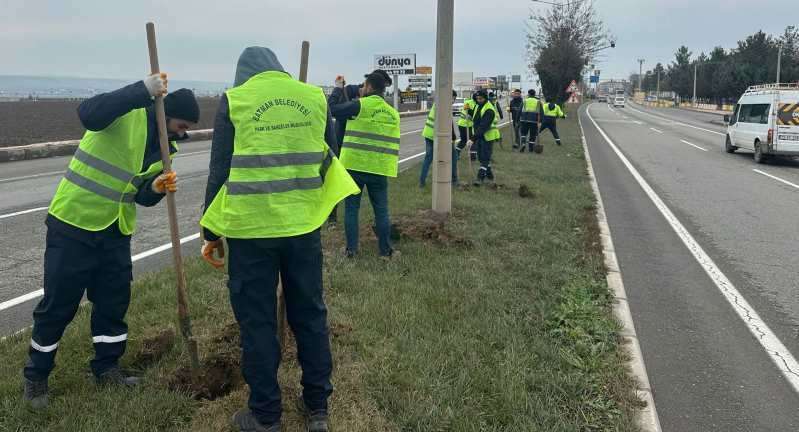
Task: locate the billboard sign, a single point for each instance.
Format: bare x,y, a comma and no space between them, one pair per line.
424,70
485,82
396,64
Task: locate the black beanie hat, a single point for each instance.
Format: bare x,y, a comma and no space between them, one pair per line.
181,104
383,74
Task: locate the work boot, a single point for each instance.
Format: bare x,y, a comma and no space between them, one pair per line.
315,421
116,376
490,174
36,394
349,253
557,141
246,422
393,254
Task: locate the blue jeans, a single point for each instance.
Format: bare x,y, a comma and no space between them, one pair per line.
428,160
377,187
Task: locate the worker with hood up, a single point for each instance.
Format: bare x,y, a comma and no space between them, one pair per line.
273,181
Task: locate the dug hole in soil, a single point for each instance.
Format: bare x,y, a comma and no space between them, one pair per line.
219,372
426,225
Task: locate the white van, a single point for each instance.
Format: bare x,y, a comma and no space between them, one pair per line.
766,121
618,101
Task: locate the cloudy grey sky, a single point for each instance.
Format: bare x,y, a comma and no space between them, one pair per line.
201,40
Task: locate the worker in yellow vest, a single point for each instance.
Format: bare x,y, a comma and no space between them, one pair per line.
485,135
370,153
429,135
552,113
530,119
272,183
465,125
90,222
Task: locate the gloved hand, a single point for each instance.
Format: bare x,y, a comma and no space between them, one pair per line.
156,84
340,82
166,182
208,252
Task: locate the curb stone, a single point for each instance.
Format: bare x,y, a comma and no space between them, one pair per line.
67,148
647,417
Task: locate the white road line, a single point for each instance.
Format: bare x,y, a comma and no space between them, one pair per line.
8,215
38,293
656,130
693,145
412,157
677,122
775,349
32,176
776,178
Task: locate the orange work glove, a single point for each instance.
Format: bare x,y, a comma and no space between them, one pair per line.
166,182
209,246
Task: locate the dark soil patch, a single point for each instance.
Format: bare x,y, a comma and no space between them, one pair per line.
339,330
153,348
525,192
29,122
496,186
427,225
219,372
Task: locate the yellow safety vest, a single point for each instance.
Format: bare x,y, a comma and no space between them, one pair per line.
429,130
104,175
372,139
465,119
491,134
554,112
284,181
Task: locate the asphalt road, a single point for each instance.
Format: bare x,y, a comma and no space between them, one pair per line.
28,186
707,370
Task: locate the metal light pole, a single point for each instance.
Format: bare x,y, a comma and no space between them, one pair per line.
396,92
779,63
640,73
442,150
657,91
693,101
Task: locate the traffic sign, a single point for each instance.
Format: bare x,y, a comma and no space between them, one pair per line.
572,87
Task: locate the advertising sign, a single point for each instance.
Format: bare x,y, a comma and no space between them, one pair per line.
409,97
396,64
424,70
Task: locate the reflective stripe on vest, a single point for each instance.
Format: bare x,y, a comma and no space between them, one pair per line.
283,179
372,139
100,185
491,134
464,118
429,130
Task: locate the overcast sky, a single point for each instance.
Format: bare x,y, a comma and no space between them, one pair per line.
201,40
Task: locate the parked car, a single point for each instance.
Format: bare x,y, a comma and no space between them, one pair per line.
457,106
766,121
618,101
602,98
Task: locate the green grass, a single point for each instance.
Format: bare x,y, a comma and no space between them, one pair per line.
509,329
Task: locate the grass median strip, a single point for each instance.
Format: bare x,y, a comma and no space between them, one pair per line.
498,319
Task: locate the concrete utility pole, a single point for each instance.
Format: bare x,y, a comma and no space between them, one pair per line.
640,73
693,101
442,150
779,63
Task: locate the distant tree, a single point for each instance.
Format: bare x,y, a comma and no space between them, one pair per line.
561,42
681,72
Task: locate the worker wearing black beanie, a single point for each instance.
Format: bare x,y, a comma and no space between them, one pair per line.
181,104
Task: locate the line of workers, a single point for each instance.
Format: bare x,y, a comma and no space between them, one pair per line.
279,165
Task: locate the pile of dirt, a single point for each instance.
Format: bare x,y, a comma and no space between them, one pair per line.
427,225
219,371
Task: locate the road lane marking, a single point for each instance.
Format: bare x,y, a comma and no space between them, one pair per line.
140,256
677,122
8,215
32,176
776,178
693,145
775,349
656,130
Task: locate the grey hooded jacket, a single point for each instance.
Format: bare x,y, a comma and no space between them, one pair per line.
253,61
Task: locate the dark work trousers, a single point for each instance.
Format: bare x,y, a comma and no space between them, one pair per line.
550,124
103,270
254,268
516,133
465,134
529,135
377,187
484,151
